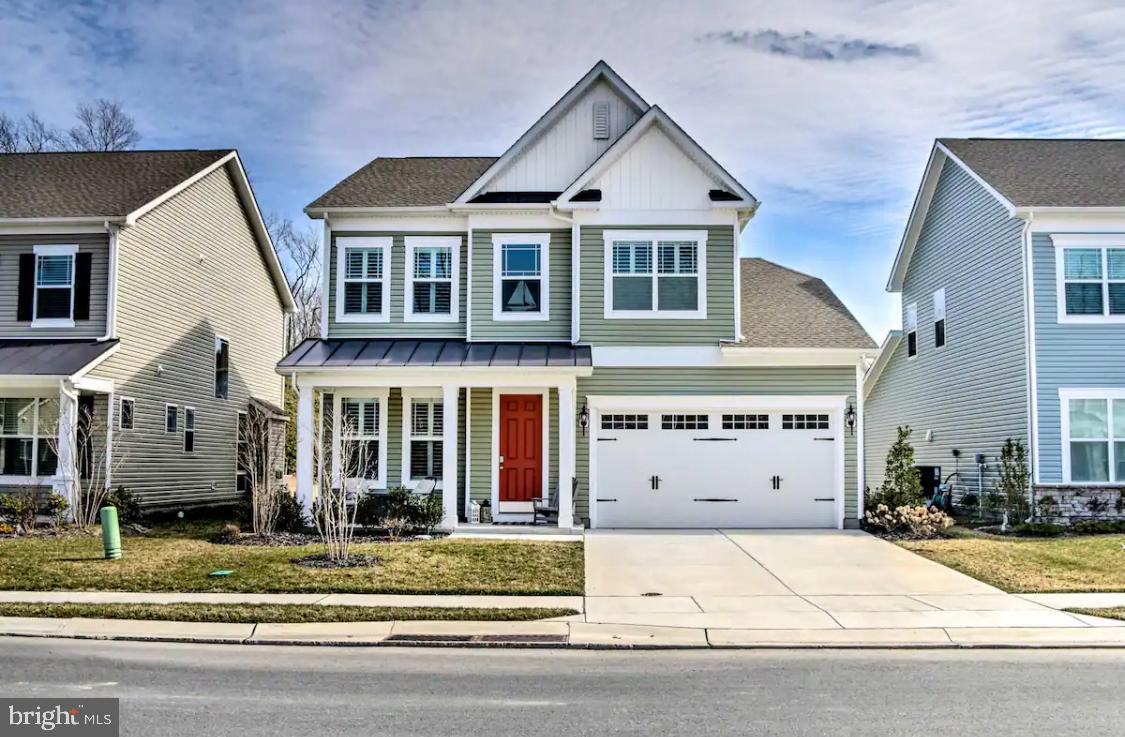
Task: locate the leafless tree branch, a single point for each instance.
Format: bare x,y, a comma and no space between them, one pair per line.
103,126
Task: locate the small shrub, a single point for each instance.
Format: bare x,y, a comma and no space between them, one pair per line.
400,511
370,510
228,535
1098,527
19,508
427,512
909,521
396,527
55,507
1038,529
128,506
902,485
290,516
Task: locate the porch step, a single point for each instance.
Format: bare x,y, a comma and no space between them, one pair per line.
518,531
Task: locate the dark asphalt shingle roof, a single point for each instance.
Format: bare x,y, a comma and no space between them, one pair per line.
93,184
316,353
783,308
406,182
1040,172
49,357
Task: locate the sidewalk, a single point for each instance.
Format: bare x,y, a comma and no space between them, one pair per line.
981,620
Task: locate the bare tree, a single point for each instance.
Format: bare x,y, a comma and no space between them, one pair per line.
334,510
9,135
299,249
103,126
261,457
86,463
37,136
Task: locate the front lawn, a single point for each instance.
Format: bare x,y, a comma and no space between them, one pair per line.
179,557
276,613
1117,612
1032,565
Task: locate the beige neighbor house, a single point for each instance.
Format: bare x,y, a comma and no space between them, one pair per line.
140,295
572,321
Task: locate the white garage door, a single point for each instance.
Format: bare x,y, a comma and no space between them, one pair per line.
708,468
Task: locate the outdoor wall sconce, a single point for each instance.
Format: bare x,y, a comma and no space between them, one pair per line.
584,419
850,419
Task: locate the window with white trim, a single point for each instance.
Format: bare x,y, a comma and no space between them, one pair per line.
361,428
655,274
54,284
432,290
171,417
939,318
222,368
520,276
126,414
363,267
1095,440
28,428
426,428
910,325
189,429
1093,281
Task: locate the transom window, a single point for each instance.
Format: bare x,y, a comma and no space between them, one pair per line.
624,422
746,422
521,274
683,422
54,282
1094,444
28,428
361,434
361,281
433,263
426,428
655,274
804,422
171,415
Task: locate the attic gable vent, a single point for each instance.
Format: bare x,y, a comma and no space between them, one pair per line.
601,120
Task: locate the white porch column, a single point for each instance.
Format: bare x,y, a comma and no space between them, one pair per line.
567,399
449,401
305,431
66,480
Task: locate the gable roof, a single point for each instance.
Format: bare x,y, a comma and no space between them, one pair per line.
783,308
655,117
886,352
1041,172
599,72
415,181
93,184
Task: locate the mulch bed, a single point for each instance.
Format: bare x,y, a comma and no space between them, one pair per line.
296,539
321,560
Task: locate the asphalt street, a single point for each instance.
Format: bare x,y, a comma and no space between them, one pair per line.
171,689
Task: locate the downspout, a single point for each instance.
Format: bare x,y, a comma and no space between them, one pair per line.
326,260
1032,379
111,289
574,270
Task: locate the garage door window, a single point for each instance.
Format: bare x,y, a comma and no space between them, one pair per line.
624,422
804,422
746,422
683,422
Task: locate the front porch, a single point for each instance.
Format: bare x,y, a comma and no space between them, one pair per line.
502,437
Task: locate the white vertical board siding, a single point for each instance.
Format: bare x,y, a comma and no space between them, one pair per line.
789,381
655,174
568,148
189,270
11,246
972,393
1071,355
397,327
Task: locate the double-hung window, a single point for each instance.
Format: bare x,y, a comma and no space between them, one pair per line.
432,286
939,318
361,436
910,325
1093,424
426,418
655,274
28,428
189,429
520,276
1091,277
222,368
363,266
127,413
54,285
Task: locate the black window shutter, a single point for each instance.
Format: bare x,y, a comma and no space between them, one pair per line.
82,269
27,288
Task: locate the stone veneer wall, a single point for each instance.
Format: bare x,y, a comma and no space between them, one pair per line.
1067,504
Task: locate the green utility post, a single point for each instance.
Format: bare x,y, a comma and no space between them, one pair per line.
111,533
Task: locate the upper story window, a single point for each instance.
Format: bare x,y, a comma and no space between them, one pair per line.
362,268
48,278
1090,277
432,287
520,276
655,274
1093,430
910,326
222,368
939,318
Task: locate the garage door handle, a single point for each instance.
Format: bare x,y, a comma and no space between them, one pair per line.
705,499
828,439
826,499
715,440
606,500
607,440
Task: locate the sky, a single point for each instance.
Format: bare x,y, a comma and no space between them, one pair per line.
825,109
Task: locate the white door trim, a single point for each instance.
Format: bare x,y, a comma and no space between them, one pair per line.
545,393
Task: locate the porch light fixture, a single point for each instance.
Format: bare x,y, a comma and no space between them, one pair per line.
584,419
850,418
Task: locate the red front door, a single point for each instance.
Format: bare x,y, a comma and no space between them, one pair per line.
521,447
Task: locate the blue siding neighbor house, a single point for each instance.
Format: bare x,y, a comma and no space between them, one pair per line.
1012,276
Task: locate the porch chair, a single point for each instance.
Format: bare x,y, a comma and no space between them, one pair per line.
426,486
550,511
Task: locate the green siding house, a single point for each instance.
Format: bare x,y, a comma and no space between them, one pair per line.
571,325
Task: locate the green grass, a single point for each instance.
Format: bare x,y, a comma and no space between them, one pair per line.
178,557
1032,565
279,613
1117,612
